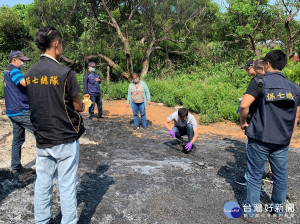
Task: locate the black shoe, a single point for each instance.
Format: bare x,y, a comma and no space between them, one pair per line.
24,170
136,128
241,181
145,127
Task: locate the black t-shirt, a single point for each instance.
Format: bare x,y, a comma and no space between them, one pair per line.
253,90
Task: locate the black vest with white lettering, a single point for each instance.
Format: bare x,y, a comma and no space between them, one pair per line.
274,119
52,111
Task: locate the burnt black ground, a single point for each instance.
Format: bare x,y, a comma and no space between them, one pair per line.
128,179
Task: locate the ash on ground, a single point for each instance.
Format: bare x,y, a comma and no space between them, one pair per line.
144,177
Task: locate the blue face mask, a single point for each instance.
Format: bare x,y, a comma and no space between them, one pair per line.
136,80
23,64
93,69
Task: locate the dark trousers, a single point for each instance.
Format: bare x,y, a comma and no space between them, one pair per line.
20,123
188,130
95,100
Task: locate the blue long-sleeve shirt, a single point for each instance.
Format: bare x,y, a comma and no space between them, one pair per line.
90,85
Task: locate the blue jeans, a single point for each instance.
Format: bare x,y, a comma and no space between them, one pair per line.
136,108
257,154
188,130
20,123
60,162
95,100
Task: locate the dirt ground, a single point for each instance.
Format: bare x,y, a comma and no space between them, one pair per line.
143,177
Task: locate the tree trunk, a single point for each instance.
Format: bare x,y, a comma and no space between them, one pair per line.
146,60
145,68
108,74
289,50
253,46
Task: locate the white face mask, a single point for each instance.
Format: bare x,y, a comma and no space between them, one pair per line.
23,64
136,80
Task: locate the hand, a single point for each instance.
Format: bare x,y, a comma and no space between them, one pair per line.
149,102
189,146
97,79
172,133
244,126
128,105
83,106
87,95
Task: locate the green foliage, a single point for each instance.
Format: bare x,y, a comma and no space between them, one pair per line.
13,34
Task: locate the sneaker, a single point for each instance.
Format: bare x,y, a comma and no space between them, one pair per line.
241,181
145,128
24,170
136,128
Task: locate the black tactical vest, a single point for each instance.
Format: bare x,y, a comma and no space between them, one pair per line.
52,111
274,119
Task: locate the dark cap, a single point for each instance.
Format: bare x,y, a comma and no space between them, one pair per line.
248,64
18,54
91,64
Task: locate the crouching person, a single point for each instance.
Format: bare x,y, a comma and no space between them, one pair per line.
184,124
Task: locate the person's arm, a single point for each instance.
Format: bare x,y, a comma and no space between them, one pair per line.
166,124
129,95
17,77
244,110
147,92
78,104
73,90
196,134
98,79
23,82
297,117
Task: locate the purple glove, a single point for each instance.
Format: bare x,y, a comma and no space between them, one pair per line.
172,133
188,146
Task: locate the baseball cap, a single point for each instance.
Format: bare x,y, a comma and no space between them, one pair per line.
18,54
92,64
248,64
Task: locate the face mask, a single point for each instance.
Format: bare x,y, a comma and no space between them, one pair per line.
93,69
23,64
136,80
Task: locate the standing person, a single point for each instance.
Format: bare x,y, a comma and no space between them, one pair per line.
185,124
17,107
249,68
54,102
269,132
254,68
91,81
138,97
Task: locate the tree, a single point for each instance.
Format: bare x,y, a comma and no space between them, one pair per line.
13,34
247,19
287,11
147,23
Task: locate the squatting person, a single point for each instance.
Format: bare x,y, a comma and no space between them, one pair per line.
185,124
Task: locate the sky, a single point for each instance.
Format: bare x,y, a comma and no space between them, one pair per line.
14,2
